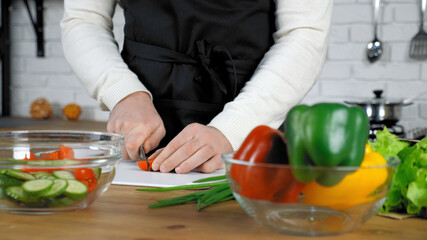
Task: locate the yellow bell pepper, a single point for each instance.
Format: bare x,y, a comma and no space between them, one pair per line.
356,188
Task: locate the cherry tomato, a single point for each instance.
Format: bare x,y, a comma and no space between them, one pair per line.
84,173
90,183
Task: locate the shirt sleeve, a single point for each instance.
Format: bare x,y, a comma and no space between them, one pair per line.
93,54
287,72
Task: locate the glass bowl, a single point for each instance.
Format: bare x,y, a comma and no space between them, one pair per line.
44,172
339,201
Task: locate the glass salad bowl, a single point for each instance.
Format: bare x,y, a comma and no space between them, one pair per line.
44,172
279,201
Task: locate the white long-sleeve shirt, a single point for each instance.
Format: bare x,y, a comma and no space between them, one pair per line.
284,76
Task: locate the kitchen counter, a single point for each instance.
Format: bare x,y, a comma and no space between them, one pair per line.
122,213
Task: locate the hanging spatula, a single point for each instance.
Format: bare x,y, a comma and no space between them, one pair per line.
418,47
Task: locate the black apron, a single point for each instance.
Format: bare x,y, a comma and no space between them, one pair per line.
195,55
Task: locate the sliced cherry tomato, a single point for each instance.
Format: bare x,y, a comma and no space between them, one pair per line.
66,152
32,157
84,173
49,155
90,183
143,164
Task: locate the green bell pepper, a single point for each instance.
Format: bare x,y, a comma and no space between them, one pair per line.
325,134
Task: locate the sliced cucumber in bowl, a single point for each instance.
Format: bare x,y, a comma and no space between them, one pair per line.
76,190
6,181
58,187
63,175
17,193
37,187
18,174
42,189
2,193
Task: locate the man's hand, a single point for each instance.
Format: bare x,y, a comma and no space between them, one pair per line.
195,147
138,121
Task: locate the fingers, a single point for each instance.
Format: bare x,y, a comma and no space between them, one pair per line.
155,154
211,165
196,146
171,149
136,119
138,136
196,159
188,157
133,141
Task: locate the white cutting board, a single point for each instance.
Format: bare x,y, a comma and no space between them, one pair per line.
128,173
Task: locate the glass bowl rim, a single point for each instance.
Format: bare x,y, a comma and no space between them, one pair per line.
60,163
392,161
119,137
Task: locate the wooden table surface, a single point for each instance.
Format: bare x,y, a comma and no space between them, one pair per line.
122,213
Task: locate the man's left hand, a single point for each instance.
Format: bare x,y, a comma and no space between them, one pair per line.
196,147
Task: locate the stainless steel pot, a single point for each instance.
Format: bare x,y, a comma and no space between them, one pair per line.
382,110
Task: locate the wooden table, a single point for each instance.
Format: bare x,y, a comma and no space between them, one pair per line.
122,213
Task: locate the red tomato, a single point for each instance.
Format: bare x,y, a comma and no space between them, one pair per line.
90,183
87,177
83,173
143,164
65,153
49,155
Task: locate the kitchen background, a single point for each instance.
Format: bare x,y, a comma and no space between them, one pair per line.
346,75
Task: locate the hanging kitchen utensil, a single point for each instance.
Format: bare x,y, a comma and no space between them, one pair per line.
380,109
409,100
418,46
375,47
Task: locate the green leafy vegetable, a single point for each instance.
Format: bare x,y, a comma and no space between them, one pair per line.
408,192
387,143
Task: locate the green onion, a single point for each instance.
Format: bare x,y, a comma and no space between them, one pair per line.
210,179
218,192
182,187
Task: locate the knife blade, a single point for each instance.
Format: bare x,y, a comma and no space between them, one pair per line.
143,157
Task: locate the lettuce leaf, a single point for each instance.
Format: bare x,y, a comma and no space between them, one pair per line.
387,143
408,191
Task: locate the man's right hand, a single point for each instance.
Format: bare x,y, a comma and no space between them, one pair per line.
136,118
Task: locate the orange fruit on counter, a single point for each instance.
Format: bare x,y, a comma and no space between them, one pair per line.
72,111
41,109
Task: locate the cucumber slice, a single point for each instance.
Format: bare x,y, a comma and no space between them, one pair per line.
44,175
50,177
18,174
97,171
2,192
37,187
62,202
41,175
58,187
76,190
6,181
17,193
63,175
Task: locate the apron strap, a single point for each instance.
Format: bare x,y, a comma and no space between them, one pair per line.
209,56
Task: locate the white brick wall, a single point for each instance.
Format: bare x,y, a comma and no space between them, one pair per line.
346,74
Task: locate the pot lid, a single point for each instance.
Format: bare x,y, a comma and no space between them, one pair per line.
378,99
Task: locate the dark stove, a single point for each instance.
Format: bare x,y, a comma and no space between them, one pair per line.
417,133
396,129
